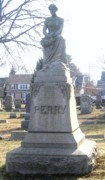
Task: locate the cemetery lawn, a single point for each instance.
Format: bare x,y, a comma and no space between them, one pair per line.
6,144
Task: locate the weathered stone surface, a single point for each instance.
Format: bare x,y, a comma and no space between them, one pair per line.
9,103
23,110
13,115
18,135
86,104
4,121
18,103
24,124
101,122
54,143
22,114
27,116
28,102
53,160
98,101
53,108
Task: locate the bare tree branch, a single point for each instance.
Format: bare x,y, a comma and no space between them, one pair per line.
20,24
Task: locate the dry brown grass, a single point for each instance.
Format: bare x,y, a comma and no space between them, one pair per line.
6,145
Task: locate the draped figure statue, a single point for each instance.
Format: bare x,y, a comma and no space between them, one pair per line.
53,43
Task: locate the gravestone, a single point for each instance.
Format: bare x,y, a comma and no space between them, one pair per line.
12,115
9,103
25,122
98,102
3,121
18,103
28,102
86,104
54,143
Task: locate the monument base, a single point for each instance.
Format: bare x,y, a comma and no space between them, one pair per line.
54,143
37,161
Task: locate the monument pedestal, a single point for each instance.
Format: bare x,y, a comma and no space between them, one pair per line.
54,143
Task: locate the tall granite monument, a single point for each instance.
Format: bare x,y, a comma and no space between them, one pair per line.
54,143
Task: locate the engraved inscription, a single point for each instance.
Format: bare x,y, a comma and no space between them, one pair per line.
50,109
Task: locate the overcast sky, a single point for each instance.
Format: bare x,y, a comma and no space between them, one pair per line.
84,32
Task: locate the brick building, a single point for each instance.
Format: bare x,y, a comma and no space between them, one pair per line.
18,85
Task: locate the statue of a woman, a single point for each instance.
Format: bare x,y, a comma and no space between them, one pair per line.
53,43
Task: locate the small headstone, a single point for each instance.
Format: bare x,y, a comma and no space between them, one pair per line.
1,104
54,143
101,122
27,116
13,115
9,103
96,136
16,110
98,102
25,122
17,103
4,121
86,104
23,110
28,103
22,115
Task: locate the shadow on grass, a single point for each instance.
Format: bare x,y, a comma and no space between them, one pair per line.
5,176
100,116
10,130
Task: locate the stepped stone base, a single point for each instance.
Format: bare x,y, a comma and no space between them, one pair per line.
51,161
54,143
18,135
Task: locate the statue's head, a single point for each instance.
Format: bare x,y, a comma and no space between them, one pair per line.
53,7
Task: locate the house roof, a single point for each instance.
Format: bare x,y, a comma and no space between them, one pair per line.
19,78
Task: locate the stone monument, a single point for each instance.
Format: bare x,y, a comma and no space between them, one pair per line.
54,143
98,101
9,103
18,103
86,103
25,122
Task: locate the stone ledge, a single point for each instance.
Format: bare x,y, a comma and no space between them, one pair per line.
52,160
18,135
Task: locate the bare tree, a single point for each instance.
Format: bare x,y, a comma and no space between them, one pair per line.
20,23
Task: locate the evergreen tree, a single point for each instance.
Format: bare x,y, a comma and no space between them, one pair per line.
39,64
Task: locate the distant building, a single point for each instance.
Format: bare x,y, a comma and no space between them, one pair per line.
18,86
